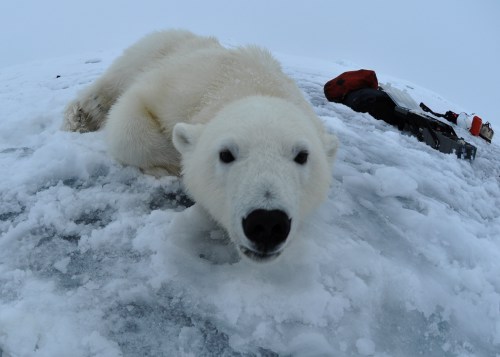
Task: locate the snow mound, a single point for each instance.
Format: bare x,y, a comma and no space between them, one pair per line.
97,259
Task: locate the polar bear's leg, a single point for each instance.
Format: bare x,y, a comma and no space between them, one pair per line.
89,110
136,137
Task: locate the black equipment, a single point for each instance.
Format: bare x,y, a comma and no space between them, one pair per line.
398,108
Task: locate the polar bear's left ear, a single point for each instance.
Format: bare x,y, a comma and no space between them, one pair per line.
185,136
331,145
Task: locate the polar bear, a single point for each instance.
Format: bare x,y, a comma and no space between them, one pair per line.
250,150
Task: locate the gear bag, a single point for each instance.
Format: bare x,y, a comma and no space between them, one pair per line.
399,109
337,88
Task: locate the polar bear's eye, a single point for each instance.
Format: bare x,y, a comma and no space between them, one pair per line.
301,157
226,156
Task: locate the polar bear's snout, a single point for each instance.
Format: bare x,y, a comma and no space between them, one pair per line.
266,229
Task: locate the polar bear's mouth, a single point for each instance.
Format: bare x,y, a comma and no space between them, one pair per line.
259,256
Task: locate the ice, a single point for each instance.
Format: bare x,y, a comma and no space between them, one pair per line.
98,259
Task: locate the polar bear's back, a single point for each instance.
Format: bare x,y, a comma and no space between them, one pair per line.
253,70
193,77
151,50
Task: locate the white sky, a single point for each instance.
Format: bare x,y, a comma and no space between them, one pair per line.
449,46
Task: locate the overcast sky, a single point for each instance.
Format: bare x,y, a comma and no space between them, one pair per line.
449,46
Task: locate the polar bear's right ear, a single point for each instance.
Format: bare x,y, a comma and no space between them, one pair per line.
185,136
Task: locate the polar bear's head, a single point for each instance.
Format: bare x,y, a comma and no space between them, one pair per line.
258,168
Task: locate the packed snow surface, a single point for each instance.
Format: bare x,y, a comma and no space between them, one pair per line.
97,259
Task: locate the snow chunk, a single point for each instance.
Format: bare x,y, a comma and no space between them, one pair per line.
62,265
365,346
309,345
394,182
385,182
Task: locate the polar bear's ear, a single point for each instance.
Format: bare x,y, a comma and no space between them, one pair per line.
331,145
185,136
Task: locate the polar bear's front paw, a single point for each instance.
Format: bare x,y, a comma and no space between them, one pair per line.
78,119
75,118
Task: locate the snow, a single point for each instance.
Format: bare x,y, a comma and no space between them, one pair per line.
97,259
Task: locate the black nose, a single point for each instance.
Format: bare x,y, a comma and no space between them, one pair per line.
266,228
